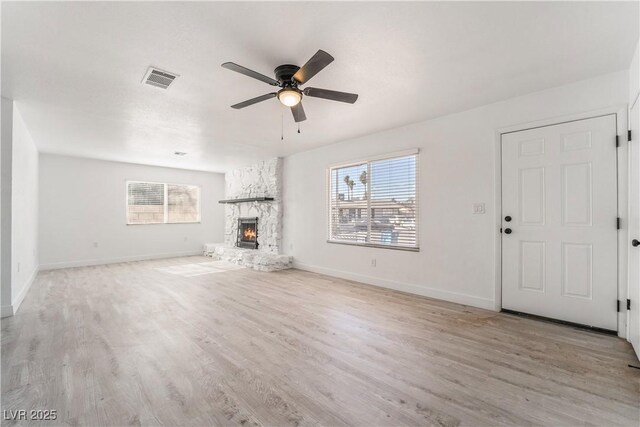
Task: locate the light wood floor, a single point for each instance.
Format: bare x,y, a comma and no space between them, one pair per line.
126,344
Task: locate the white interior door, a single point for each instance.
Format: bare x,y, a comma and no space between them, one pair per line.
559,220
634,228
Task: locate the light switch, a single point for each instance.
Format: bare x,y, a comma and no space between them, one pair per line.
478,208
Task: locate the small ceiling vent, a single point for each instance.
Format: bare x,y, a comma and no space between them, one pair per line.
159,78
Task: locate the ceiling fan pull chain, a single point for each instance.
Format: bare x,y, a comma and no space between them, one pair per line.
298,127
281,125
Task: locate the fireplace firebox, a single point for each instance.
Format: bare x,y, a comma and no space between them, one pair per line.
247,233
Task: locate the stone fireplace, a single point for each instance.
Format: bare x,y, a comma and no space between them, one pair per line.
253,218
258,189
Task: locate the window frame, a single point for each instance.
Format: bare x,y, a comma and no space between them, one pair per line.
368,160
166,202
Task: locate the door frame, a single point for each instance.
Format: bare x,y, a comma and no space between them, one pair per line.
621,113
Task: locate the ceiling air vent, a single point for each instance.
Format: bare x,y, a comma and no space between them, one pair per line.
159,78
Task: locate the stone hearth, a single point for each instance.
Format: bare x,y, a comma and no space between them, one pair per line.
250,258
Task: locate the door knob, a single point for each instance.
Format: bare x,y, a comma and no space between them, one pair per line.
507,218
508,231
635,243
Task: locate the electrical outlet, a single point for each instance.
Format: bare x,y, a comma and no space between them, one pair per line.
373,262
18,267
478,209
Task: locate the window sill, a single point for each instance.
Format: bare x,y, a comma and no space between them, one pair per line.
372,245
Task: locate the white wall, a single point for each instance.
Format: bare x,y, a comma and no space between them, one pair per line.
19,224
5,207
24,211
458,167
83,201
19,208
634,95
634,77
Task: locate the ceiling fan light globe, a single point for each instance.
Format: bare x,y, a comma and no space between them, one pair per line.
289,97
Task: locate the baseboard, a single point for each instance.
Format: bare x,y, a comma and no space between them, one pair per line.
23,293
464,299
10,310
102,261
6,311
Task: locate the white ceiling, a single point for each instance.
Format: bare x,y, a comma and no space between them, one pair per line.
75,69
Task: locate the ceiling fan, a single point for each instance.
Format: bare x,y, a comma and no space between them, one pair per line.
288,78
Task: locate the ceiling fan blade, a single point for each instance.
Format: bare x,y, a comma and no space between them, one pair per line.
298,113
254,100
331,94
247,72
313,66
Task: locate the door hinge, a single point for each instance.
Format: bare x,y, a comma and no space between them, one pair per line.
629,135
628,304
617,141
618,223
618,306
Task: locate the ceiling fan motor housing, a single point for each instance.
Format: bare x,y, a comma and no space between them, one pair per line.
284,74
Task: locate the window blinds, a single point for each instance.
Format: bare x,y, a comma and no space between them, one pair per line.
374,203
183,203
159,203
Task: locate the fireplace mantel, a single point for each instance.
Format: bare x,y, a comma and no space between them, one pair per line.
248,199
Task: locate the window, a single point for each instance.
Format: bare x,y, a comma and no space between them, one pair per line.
374,202
157,203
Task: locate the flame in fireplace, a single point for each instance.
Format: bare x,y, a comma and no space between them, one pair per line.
249,233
